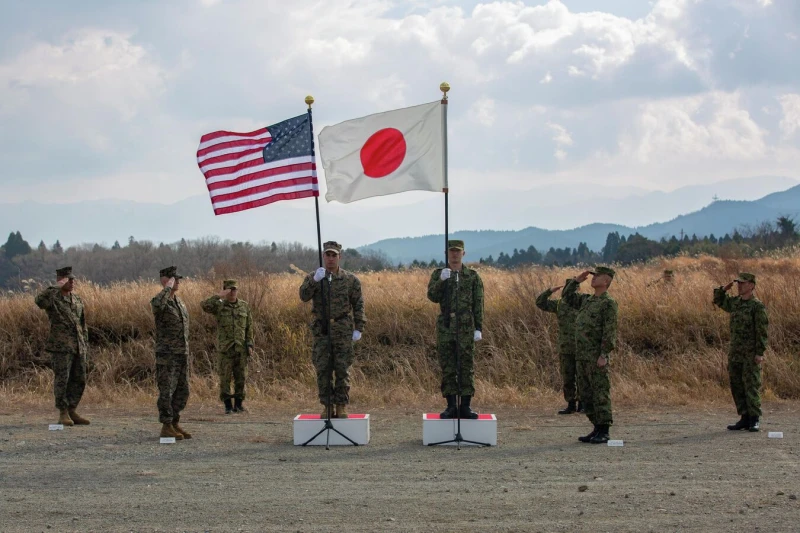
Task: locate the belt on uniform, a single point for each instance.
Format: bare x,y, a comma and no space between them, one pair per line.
338,318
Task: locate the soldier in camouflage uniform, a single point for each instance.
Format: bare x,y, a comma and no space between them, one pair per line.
595,339
748,325
234,342
566,346
67,344
335,289
172,354
459,292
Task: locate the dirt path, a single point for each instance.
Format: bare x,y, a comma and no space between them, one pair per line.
678,471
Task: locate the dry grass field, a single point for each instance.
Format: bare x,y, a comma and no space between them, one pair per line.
671,351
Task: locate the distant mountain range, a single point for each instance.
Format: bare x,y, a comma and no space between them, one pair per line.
719,218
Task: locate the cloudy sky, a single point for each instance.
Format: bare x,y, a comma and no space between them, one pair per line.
108,98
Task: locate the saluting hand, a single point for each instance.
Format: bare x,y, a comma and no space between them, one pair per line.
727,287
170,283
62,282
224,293
583,275
556,289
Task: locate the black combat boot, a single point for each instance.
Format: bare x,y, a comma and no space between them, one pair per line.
238,407
590,436
580,407
228,406
466,412
602,435
569,409
743,423
754,426
452,408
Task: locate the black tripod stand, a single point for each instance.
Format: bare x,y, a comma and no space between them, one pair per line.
328,427
458,439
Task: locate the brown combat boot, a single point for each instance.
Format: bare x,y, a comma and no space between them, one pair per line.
341,410
78,419
168,431
178,429
64,419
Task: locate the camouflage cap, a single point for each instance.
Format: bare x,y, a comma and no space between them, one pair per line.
746,276
604,270
229,284
332,246
170,272
65,272
455,244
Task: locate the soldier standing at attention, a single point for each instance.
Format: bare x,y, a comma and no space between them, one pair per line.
234,342
67,344
748,325
566,346
459,292
595,339
172,354
338,310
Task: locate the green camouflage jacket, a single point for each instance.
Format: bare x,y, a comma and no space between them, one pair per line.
172,323
467,299
749,324
68,331
595,323
346,298
234,322
566,320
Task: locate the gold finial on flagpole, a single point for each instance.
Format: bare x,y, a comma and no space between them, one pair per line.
309,100
444,87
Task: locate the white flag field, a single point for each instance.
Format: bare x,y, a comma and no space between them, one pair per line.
385,153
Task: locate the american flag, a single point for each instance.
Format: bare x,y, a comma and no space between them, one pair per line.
247,170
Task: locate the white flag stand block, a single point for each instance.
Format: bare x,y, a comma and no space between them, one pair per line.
354,426
435,429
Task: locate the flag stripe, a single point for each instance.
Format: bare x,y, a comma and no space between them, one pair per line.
233,160
237,143
266,194
263,186
293,171
251,167
219,134
266,201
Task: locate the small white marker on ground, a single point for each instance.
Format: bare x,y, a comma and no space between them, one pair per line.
775,434
167,440
56,427
615,443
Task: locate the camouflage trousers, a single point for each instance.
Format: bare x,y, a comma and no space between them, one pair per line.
745,378
594,387
173,386
342,345
70,378
569,381
446,345
232,365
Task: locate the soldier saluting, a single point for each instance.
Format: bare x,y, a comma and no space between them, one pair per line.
67,344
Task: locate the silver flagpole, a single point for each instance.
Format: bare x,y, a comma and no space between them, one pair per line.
444,87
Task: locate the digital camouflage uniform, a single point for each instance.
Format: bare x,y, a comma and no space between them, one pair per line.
566,340
346,315
234,338
67,344
595,335
172,353
460,303
748,324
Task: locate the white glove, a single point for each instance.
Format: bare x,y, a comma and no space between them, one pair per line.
445,274
319,273
478,336
356,335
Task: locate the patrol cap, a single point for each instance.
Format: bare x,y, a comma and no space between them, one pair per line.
170,272
229,284
65,272
746,276
455,244
332,246
603,270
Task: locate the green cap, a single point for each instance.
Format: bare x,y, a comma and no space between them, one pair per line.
746,276
455,244
604,270
170,272
65,272
229,284
332,246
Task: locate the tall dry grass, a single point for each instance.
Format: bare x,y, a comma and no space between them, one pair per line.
672,341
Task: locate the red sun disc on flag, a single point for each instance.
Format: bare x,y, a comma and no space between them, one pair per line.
383,152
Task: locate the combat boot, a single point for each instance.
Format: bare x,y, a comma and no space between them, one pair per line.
341,410
569,409
754,425
78,419
178,429
228,406
467,413
168,431
238,407
602,435
64,419
743,423
580,408
452,408
590,436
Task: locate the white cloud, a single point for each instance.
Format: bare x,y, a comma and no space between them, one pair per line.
547,78
562,139
790,123
483,112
